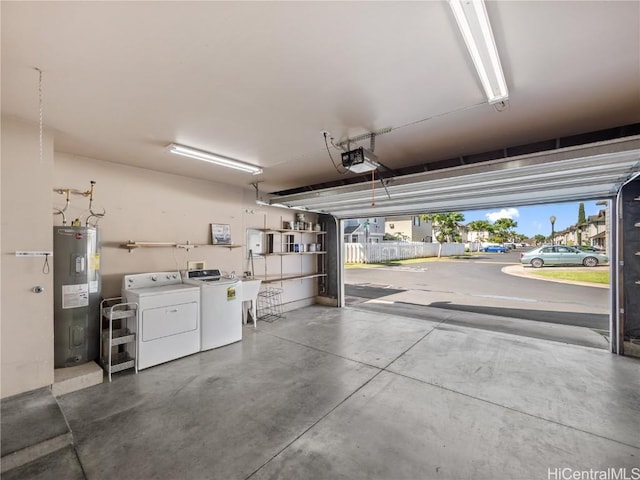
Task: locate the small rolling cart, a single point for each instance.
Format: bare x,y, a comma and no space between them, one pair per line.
119,326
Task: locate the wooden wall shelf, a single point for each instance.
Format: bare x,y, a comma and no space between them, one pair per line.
288,278
187,246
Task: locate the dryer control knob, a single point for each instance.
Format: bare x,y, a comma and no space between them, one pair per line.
154,278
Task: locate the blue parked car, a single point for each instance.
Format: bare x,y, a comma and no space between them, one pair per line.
494,249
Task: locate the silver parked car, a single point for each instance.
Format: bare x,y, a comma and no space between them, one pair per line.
561,255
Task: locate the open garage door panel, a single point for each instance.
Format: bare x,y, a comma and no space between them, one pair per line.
594,171
626,285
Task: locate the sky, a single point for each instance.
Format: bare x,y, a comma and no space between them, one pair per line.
534,220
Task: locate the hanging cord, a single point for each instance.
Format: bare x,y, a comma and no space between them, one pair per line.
373,188
45,267
41,120
326,144
251,260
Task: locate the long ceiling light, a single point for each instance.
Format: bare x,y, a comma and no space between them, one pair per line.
474,25
213,158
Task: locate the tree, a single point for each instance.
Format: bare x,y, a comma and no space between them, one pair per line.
519,237
581,215
480,226
447,225
539,239
503,230
582,220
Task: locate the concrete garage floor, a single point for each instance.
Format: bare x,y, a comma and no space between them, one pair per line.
332,393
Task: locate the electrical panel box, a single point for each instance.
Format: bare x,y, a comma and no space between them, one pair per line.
255,242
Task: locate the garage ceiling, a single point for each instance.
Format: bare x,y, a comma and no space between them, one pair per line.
260,81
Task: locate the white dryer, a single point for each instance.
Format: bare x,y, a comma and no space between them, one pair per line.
169,316
220,307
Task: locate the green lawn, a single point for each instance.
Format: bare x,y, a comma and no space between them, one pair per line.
595,276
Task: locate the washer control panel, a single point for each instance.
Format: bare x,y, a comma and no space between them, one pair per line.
155,279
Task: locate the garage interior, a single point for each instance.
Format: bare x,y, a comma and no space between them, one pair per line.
93,94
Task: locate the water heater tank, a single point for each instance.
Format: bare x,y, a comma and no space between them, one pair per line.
76,280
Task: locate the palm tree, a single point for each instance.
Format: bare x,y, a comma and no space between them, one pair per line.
504,229
480,226
447,225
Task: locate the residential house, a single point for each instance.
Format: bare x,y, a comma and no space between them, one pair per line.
462,230
474,236
595,230
409,227
567,236
364,230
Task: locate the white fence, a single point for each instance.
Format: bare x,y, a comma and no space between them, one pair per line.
382,252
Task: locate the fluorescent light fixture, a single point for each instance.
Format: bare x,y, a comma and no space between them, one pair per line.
213,158
474,25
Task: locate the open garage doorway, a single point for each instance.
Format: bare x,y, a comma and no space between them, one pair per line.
599,170
470,268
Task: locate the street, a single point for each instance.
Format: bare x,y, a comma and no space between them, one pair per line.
478,285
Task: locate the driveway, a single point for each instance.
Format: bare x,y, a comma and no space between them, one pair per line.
479,285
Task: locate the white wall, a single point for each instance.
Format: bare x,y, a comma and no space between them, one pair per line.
141,205
26,320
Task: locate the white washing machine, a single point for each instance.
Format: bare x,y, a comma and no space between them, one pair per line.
169,316
220,307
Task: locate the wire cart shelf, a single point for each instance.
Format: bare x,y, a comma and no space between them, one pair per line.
270,304
119,324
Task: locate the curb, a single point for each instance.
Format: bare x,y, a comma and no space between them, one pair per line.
519,271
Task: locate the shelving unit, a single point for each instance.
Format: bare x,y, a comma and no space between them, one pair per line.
119,324
289,245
